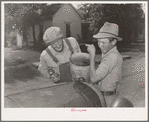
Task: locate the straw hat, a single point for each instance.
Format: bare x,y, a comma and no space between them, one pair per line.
108,30
52,35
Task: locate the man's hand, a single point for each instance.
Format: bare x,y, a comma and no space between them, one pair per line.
95,83
91,49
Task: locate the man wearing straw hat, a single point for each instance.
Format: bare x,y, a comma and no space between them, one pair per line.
57,53
109,71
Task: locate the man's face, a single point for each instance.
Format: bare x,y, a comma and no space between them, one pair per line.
105,45
58,46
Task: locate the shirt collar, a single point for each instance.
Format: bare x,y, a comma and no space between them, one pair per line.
112,50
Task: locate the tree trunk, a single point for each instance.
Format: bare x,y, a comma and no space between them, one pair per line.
136,33
40,37
34,36
41,28
132,34
25,40
24,36
123,35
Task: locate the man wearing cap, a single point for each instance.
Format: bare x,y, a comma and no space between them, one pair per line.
57,53
109,71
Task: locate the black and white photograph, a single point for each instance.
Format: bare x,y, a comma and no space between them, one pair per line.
74,60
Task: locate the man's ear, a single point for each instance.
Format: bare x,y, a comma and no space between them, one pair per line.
114,42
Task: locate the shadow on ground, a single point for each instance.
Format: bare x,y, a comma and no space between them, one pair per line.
18,65
14,63
18,70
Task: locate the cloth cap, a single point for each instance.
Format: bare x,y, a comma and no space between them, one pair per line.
52,35
108,30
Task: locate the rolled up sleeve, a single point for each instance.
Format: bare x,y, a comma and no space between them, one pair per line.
106,66
43,67
75,45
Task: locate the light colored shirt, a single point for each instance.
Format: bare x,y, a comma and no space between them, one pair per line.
109,71
47,62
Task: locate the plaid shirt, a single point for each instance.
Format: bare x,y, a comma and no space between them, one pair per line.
109,71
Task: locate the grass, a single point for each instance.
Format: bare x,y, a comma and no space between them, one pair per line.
23,73
18,65
14,63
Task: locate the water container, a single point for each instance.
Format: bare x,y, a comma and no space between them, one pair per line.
80,66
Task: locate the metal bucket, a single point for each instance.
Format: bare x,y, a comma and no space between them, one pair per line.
79,66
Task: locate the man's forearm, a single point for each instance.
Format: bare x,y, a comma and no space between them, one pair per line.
92,69
44,73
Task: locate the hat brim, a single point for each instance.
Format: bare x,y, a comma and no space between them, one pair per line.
106,35
55,40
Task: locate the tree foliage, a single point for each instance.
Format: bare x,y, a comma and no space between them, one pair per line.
20,16
125,15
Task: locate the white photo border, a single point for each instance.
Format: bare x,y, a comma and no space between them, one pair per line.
62,114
